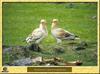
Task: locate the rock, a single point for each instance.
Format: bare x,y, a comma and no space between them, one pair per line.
54,63
18,53
37,59
59,50
74,63
78,63
7,50
41,63
20,56
81,46
58,59
83,43
48,60
34,47
23,62
26,61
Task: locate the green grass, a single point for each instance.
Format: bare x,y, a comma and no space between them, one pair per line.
20,19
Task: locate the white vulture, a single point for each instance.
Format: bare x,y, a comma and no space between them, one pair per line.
38,34
61,34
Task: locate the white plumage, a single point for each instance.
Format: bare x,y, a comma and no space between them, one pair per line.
61,34
38,34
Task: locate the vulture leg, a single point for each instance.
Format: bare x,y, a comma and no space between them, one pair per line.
59,40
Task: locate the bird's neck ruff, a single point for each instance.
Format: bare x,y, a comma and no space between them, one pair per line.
54,25
42,27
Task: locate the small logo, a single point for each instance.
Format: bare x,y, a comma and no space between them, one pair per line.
5,69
